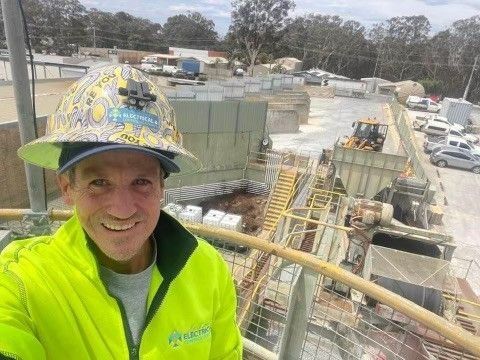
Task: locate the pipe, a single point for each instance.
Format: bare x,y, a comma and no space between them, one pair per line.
338,227
259,351
433,322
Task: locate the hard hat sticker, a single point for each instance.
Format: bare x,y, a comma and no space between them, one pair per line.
134,117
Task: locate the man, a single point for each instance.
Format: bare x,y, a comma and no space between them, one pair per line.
120,279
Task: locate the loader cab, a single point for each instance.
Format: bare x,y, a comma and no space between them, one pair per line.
370,129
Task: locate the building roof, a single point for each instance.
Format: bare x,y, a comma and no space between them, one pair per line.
209,60
164,56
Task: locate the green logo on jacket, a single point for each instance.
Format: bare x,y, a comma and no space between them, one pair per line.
177,338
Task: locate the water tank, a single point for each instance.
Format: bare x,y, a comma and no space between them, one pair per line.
232,222
191,214
173,209
213,217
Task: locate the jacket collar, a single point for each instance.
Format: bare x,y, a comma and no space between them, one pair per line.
175,245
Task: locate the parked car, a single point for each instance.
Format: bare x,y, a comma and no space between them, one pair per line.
150,68
435,128
461,133
432,142
416,102
420,121
170,69
455,158
182,74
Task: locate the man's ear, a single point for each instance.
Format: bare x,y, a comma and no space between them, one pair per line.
66,188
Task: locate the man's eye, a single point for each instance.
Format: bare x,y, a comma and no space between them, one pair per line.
99,182
142,182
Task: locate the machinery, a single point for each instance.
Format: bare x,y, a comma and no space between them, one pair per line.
368,134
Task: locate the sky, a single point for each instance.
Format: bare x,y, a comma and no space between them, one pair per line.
441,13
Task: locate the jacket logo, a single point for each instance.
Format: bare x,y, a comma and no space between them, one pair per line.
177,339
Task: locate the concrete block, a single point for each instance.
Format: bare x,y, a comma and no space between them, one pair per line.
302,109
320,91
435,214
282,121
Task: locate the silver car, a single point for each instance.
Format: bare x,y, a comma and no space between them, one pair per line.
449,156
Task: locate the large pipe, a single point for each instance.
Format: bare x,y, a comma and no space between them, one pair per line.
431,321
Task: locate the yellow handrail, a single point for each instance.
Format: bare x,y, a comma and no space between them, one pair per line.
434,322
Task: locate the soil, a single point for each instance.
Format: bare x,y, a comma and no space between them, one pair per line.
250,206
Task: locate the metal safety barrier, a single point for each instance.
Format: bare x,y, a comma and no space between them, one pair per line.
312,309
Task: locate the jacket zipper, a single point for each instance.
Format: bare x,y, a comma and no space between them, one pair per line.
8,355
133,352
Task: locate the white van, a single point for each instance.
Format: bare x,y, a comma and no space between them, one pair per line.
435,128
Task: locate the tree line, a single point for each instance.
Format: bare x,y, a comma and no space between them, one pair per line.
400,48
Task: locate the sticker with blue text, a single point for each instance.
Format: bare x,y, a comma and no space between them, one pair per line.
134,117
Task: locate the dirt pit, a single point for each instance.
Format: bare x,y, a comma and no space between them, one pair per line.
250,206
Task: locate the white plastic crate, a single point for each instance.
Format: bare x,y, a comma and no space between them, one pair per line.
213,217
232,222
191,214
173,209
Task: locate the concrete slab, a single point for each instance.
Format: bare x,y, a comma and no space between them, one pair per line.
329,120
47,96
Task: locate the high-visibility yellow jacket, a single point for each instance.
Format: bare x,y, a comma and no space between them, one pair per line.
53,304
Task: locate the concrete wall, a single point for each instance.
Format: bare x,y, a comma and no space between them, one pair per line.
221,134
13,185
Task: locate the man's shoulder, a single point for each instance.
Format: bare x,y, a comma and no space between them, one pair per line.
25,248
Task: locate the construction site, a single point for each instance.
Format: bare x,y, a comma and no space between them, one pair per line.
343,240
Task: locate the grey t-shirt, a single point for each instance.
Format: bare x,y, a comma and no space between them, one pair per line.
132,291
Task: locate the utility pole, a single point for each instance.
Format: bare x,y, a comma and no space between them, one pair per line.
94,39
14,32
467,89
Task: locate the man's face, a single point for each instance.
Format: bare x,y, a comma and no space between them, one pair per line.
117,196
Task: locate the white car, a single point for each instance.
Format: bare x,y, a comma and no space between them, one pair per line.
149,67
170,69
415,102
449,128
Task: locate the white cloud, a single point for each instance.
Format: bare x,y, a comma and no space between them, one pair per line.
207,10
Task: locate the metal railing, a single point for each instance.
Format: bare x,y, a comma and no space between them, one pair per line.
347,318
400,117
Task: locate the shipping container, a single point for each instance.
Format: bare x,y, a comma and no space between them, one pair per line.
457,111
191,65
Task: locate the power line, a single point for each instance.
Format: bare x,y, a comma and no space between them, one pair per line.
368,58
106,31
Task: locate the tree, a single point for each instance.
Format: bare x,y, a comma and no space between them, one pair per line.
190,30
401,43
256,23
327,42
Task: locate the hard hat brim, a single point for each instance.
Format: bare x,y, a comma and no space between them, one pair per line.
45,152
89,150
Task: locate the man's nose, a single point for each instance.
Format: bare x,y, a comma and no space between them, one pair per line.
122,203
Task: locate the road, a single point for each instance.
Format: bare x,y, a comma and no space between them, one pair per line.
460,188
